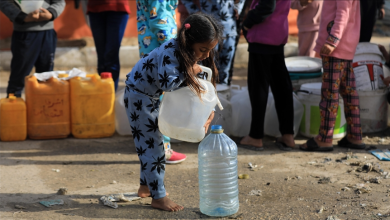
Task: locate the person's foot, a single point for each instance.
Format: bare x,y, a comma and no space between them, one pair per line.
144,191
173,157
319,143
353,141
166,204
288,139
247,140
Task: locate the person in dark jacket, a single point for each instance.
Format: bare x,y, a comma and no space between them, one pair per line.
33,40
266,30
370,10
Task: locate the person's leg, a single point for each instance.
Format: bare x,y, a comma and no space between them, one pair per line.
45,61
115,28
307,42
368,18
225,59
25,48
258,85
150,150
98,28
333,70
351,103
281,87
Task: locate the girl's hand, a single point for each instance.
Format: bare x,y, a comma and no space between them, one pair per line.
208,122
197,69
327,49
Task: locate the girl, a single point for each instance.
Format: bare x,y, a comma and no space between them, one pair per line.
337,41
166,68
308,24
266,30
227,12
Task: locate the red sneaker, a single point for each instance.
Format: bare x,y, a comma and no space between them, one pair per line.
173,157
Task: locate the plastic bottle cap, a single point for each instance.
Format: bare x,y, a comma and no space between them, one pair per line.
11,96
216,127
62,75
105,75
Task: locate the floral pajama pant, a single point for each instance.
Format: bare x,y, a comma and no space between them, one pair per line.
338,78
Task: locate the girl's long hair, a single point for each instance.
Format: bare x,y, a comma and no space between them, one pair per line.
204,28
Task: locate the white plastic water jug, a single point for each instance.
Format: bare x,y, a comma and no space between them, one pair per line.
29,6
122,125
271,121
183,115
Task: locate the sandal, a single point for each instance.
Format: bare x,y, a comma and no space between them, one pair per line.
311,145
249,147
346,143
282,145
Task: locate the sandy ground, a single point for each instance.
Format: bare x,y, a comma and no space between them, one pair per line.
292,184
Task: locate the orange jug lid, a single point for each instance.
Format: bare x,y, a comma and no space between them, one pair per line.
105,75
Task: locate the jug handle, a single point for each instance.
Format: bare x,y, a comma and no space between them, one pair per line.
209,75
208,71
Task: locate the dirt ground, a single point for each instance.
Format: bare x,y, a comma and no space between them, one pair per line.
294,185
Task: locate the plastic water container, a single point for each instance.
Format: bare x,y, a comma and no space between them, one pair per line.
122,124
218,182
48,108
92,102
13,119
241,112
271,121
373,110
310,96
29,6
368,67
182,114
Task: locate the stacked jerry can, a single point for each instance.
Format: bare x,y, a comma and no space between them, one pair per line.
92,106
13,121
48,108
55,108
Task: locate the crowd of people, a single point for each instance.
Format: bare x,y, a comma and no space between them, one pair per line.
170,59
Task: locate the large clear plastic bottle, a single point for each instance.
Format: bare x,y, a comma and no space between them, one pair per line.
218,183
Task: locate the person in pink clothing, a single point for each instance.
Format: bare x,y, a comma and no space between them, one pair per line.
336,43
308,24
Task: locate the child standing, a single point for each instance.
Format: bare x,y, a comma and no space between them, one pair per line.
33,40
228,12
308,24
337,42
266,30
166,68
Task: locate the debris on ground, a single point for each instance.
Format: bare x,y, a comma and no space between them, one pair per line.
383,155
375,180
321,210
56,170
371,148
332,217
324,180
62,191
346,189
19,207
50,203
361,188
255,192
114,182
243,176
254,167
111,200
327,159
